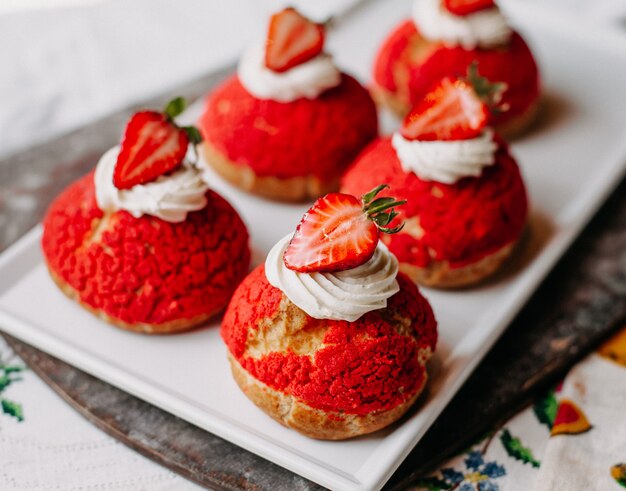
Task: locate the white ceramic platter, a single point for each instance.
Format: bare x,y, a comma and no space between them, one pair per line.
570,162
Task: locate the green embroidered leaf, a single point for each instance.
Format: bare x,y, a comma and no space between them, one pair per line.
11,368
8,375
433,484
515,449
545,409
12,409
5,381
618,472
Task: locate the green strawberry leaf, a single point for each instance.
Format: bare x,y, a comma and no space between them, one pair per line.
380,210
175,107
368,197
193,134
490,92
516,450
12,409
545,409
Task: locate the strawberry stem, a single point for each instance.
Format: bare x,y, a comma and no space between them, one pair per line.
382,204
193,134
329,23
176,107
489,92
380,210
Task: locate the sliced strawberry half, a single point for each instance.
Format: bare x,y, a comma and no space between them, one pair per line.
152,146
466,7
452,111
456,109
340,232
292,39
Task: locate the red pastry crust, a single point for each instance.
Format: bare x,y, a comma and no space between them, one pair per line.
145,271
371,365
307,137
459,223
407,66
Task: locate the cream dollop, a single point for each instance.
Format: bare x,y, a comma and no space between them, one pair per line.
169,197
343,295
445,161
485,28
307,80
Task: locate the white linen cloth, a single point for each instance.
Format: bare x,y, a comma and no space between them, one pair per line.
65,67
62,68
587,460
536,451
53,447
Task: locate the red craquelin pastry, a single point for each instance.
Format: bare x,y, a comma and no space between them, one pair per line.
467,202
327,337
142,242
289,123
442,40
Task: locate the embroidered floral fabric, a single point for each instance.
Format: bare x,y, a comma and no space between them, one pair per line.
574,437
46,445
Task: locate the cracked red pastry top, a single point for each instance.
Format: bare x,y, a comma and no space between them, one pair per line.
316,137
374,363
460,223
407,65
145,270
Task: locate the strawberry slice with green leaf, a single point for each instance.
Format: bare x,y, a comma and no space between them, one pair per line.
452,111
456,109
292,39
466,7
153,145
341,232
489,92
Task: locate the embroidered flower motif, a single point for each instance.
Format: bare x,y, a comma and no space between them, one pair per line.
570,419
618,472
478,475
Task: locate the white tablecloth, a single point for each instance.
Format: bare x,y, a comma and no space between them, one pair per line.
62,68
45,445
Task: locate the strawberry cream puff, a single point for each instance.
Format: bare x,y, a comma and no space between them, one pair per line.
467,203
327,337
290,122
442,40
142,242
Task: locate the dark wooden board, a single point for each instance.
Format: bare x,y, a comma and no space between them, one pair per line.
578,305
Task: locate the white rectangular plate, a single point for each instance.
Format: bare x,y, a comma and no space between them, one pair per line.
570,162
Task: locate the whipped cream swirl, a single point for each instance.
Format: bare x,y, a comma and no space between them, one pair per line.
445,161
170,197
485,29
307,80
343,295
